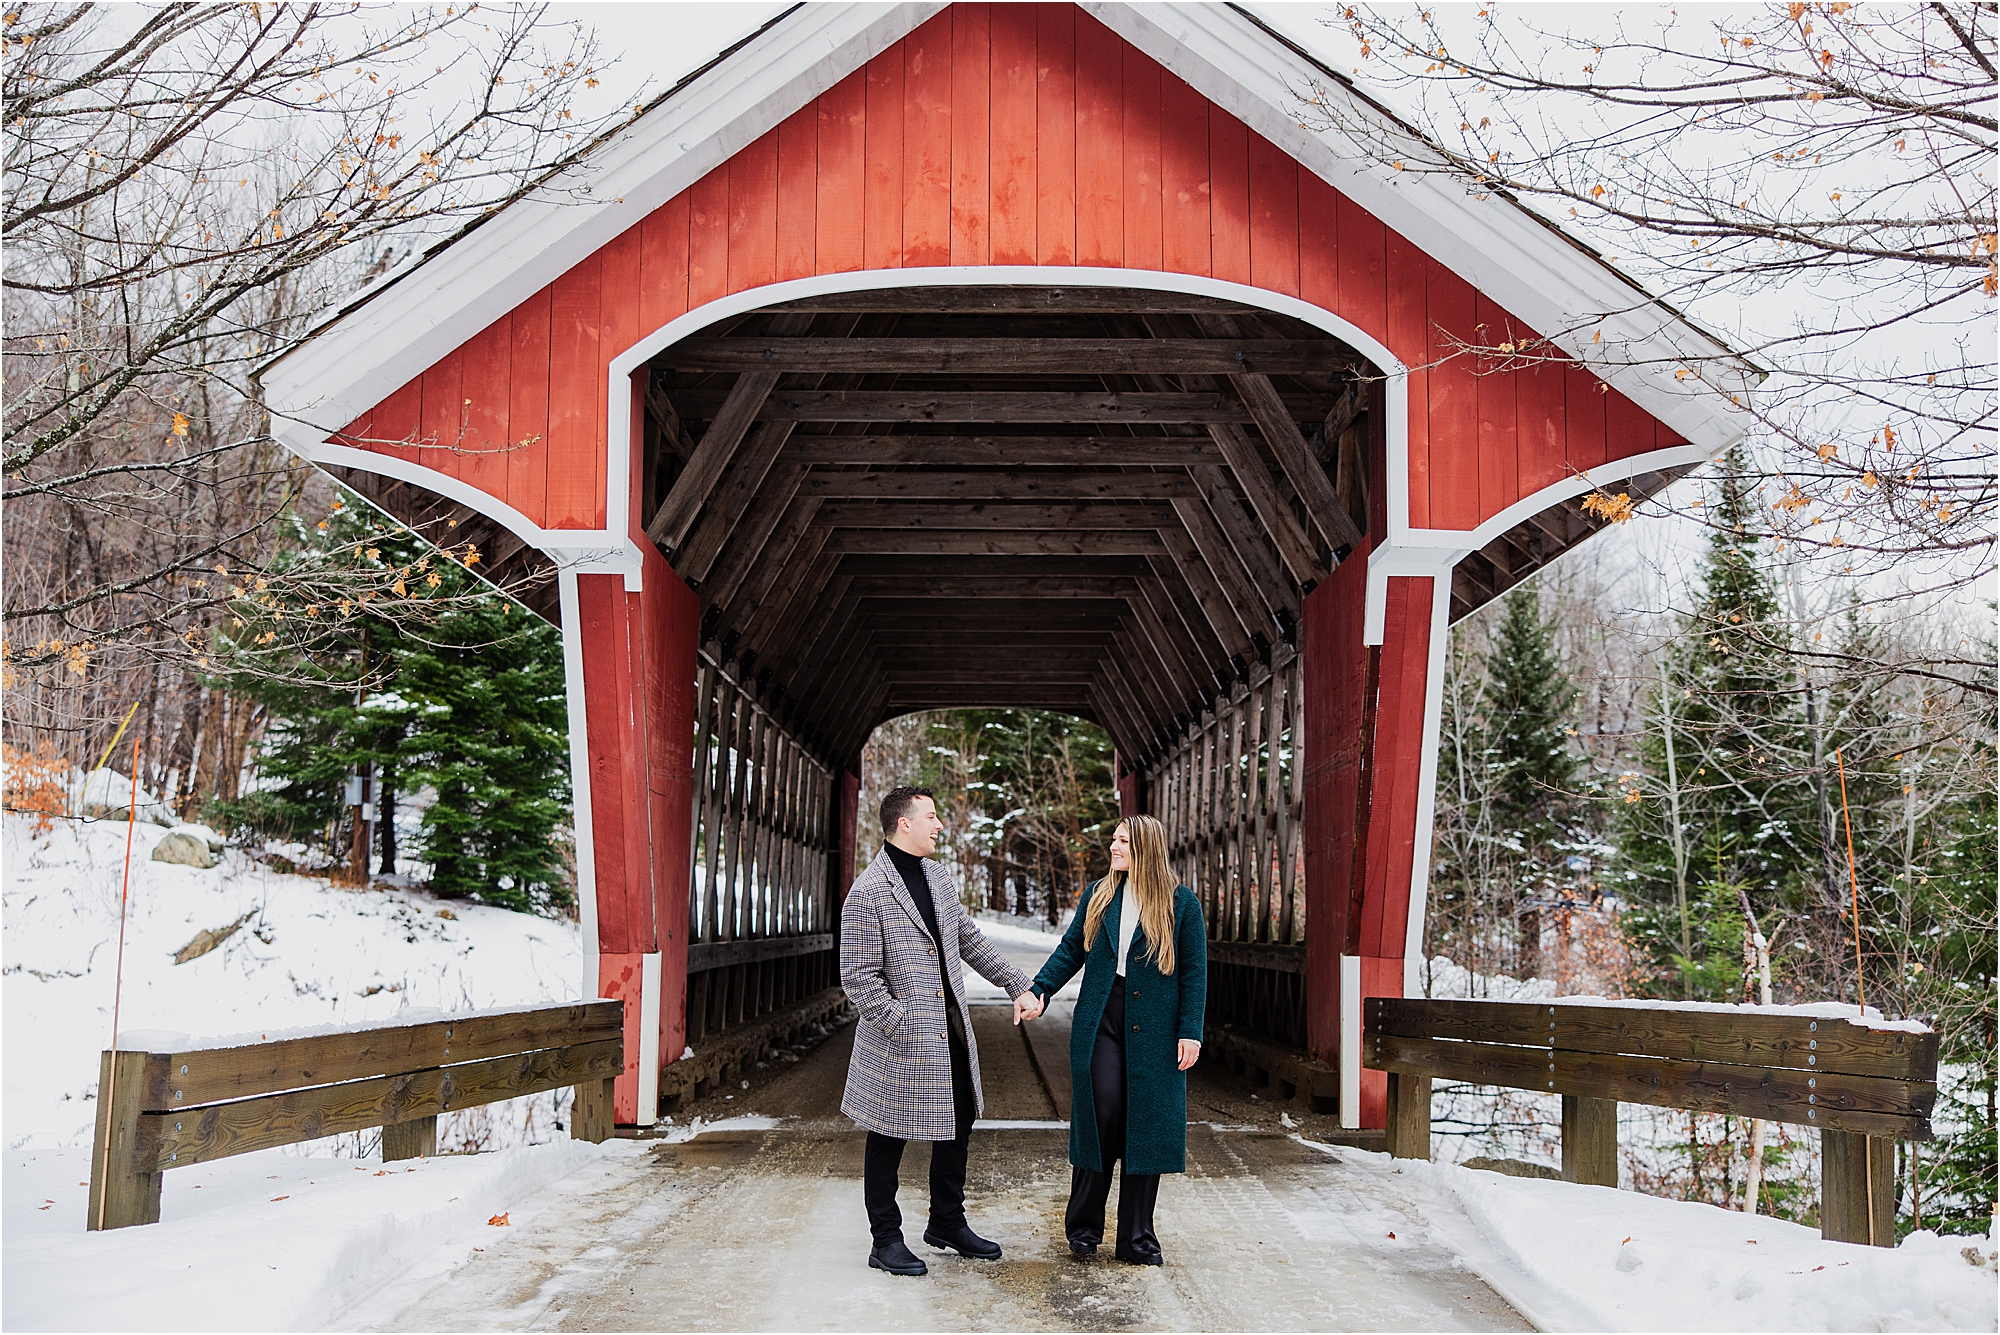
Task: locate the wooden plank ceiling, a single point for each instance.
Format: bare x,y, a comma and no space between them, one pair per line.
1103,502
1108,502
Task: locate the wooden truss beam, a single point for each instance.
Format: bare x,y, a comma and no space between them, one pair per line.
908,405
993,542
1275,419
1004,515
711,459
1012,451
1012,356
1046,484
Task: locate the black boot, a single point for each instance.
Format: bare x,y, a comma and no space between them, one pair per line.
897,1259
961,1239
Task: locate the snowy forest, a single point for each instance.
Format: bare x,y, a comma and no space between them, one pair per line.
1742,751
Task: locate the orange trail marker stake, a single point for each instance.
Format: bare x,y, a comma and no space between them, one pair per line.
118,976
1853,882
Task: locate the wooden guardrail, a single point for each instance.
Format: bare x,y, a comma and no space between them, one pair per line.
1863,1088
161,1110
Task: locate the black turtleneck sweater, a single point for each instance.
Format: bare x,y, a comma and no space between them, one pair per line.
912,868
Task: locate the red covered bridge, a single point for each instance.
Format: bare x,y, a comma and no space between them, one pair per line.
1032,355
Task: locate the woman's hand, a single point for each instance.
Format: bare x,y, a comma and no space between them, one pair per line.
1027,1006
1190,1053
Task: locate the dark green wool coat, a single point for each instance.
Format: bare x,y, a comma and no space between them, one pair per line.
1160,1010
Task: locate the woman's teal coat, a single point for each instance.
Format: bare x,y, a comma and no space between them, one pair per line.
1160,1010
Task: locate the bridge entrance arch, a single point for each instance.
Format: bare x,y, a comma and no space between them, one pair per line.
1002,355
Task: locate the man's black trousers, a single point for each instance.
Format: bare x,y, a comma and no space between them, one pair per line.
885,1157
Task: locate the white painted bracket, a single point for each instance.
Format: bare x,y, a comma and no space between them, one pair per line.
649,1039
1350,1042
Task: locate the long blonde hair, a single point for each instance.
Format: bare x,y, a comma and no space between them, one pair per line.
1153,886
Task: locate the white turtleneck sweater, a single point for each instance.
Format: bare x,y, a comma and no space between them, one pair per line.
1128,922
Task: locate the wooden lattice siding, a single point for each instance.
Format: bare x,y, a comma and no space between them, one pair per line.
1230,795
762,821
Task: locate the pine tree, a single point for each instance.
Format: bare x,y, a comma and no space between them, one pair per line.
1530,702
1720,804
489,737
1509,815
425,677
1529,699
1959,1175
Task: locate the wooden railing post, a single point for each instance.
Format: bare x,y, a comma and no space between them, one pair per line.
1857,1188
590,1114
1409,1116
414,1139
1590,1140
120,1193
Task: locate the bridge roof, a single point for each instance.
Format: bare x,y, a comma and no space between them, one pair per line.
430,305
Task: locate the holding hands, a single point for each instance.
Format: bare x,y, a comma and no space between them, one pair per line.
1027,1006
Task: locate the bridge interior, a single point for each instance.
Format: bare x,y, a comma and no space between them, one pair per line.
1108,502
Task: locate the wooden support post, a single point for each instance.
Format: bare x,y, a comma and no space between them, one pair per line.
414,1139
120,1193
1590,1141
590,1116
1857,1191
1409,1121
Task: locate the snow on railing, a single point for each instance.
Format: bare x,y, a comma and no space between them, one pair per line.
1861,1080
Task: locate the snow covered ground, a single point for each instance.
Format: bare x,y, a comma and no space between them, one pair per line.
1573,1257
291,1239
265,1241
308,953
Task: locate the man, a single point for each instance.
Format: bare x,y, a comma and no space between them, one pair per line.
915,1071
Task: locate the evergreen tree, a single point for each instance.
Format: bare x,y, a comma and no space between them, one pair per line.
1528,700
1529,704
425,677
1958,1176
489,736
1507,778
1719,803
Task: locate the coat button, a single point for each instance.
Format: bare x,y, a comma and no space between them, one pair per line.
940,991
940,1035
1135,1028
1135,994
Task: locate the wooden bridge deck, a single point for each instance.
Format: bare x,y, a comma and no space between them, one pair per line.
764,1230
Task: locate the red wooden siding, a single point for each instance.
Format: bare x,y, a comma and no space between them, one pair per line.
670,617
1335,746
1005,134
1397,763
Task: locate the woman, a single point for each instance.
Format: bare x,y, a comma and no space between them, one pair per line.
1143,949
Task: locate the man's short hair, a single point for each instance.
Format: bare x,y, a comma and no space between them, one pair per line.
896,805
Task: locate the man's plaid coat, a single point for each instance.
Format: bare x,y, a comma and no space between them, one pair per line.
899,1081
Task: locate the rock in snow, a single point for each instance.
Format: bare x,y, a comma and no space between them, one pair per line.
183,850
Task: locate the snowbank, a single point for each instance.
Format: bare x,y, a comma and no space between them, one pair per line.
310,956
266,1241
1577,1257
1867,1017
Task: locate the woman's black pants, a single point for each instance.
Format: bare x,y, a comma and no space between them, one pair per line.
1089,1189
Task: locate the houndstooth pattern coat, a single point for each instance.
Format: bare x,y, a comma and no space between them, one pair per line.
899,1080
